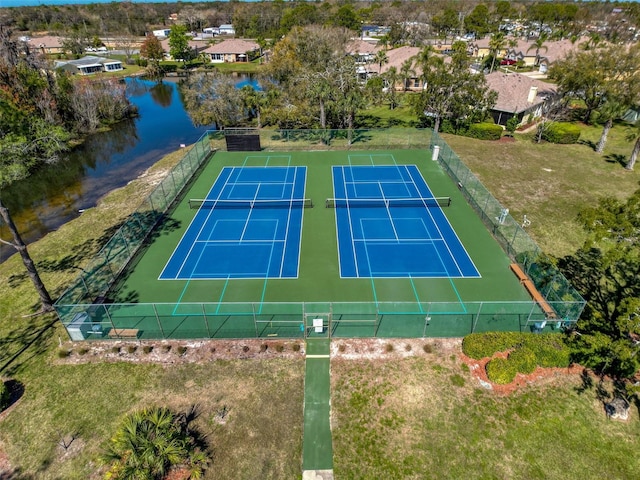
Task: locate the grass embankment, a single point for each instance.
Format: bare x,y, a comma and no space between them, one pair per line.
262,436
431,423
551,183
423,418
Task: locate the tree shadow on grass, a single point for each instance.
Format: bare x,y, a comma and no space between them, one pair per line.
588,143
27,341
616,158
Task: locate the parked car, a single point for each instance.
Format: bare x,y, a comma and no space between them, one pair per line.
507,61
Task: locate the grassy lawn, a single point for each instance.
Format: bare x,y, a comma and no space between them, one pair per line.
424,417
551,183
262,437
393,419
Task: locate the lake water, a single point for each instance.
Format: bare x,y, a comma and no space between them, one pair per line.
106,161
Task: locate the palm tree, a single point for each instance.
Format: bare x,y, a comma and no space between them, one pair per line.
633,135
391,78
539,45
381,58
407,72
153,440
610,110
496,44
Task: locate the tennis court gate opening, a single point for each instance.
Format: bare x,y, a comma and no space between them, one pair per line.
320,321
242,139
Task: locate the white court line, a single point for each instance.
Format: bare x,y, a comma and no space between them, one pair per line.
451,255
353,245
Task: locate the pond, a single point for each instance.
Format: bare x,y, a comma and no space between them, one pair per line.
104,162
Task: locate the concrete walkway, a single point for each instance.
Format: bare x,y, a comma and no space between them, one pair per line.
317,450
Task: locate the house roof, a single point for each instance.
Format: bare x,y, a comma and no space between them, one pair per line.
362,47
513,91
194,44
88,61
398,56
233,46
47,41
551,50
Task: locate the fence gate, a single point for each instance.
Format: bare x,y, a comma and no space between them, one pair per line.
317,325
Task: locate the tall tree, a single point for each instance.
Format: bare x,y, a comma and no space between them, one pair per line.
451,91
496,45
605,271
538,45
633,135
212,98
380,58
584,75
179,44
478,21
151,49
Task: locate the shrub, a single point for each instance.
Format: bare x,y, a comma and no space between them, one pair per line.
484,131
295,347
550,349
166,348
264,347
64,353
501,371
524,360
427,348
5,396
561,132
147,349
279,347
83,351
342,348
115,349
245,348
480,345
181,350
407,347
388,347
132,348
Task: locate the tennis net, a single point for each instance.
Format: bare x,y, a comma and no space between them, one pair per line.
387,202
250,204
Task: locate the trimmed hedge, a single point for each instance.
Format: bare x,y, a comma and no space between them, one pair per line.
484,131
524,360
561,132
528,351
5,396
481,345
501,371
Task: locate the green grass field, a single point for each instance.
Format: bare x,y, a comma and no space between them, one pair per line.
400,305
422,417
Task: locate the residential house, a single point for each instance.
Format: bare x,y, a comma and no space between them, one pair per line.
89,65
397,58
525,51
226,29
196,46
47,44
230,51
364,54
520,96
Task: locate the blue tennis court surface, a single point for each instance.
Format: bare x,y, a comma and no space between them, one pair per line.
390,225
249,226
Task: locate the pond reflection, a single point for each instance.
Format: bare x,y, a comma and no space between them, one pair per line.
105,161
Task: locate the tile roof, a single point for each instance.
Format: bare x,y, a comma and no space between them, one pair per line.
47,41
233,46
513,91
398,56
360,46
